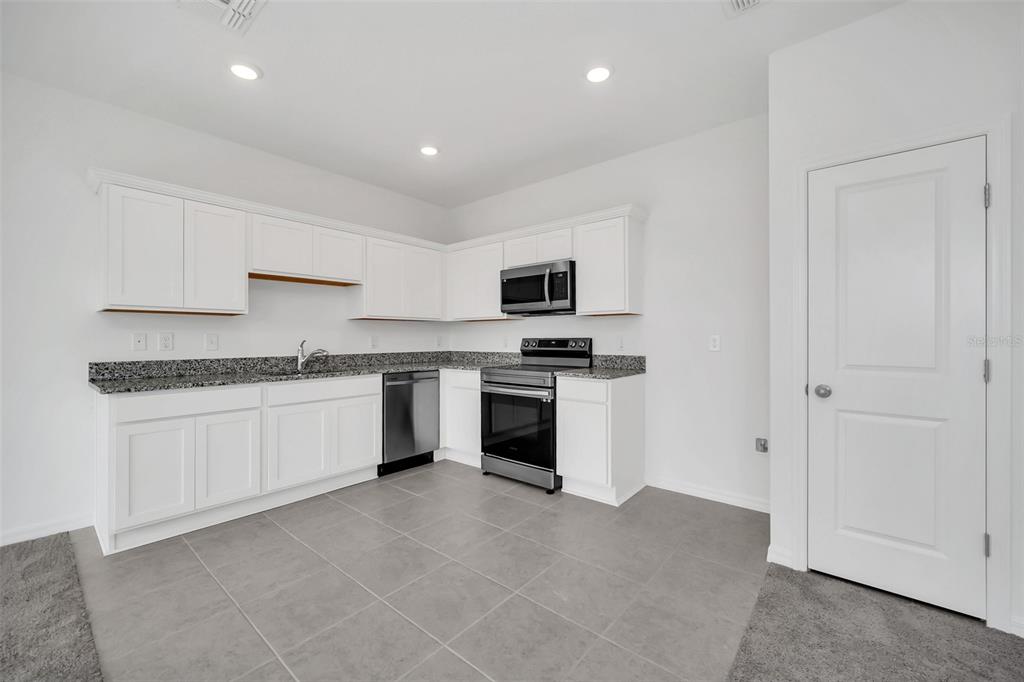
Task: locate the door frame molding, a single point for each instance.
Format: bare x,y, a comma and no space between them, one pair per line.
792,551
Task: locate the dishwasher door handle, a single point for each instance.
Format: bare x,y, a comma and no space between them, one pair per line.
409,381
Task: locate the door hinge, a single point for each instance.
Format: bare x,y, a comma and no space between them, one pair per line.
988,545
987,371
807,389
988,195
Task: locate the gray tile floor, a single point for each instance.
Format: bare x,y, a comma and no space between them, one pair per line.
438,573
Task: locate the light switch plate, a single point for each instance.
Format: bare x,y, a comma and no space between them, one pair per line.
165,341
714,343
138,340
211,341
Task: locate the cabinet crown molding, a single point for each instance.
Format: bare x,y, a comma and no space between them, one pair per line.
98,177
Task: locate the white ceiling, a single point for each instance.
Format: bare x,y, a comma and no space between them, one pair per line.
357,88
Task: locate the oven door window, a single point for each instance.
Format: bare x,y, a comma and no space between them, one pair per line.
522,289
518,428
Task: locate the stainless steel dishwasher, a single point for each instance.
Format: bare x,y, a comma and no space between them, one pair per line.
412,420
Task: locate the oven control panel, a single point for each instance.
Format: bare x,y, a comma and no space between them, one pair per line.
557,344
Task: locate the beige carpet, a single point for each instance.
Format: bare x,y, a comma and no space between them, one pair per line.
45,628
809,626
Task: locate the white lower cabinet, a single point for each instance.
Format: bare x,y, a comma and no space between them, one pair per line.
227,457
155,471
599,434
359,430
299,443
173,461
460,412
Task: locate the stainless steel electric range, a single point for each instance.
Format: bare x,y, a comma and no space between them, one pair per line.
517,424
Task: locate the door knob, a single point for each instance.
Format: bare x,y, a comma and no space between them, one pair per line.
823,390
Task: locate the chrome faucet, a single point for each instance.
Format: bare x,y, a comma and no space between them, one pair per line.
301,358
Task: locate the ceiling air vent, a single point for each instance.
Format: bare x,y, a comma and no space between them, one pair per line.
235,15
734,8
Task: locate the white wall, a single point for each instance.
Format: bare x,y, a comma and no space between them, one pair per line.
50,327
706,273
880,84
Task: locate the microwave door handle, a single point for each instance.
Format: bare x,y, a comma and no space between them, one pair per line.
547,291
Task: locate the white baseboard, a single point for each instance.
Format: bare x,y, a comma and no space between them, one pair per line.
1017,626
41,530
724,496
781,556
461,457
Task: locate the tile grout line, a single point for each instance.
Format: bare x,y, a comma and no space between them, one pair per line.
381,600
518,592
241,611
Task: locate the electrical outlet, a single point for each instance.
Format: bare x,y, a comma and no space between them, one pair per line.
504,342
138,340
761,444
622,343
165,341
440,341
714,343
211,341
373,341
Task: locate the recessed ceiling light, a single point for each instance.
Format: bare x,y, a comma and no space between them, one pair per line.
246,71
428,151
599,74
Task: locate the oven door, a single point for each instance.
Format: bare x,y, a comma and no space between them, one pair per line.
518,424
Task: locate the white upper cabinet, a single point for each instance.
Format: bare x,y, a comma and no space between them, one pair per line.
282,247
144,249
338,255
215,273
539,248
402,281
292,250
474,283
608,267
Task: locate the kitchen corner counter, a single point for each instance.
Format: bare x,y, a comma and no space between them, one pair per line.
171,375
605,373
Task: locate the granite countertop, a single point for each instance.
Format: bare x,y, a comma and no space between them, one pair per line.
168,375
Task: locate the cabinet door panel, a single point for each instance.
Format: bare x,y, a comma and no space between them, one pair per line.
338,255
282,246
462,418
359,433
555,245
155,477
215,273
489,263
145,248
227,457
424,284
582,441
601,267
461,293
300,443
522,251
384,288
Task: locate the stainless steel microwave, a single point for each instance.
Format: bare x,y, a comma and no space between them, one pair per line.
542,289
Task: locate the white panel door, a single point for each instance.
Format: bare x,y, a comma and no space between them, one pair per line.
424,283
145,248
601,266
155,471
385,277
554,245
227,457
300,443
282,246
582,441
215,272
359,433
522,251
338,255
896,458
